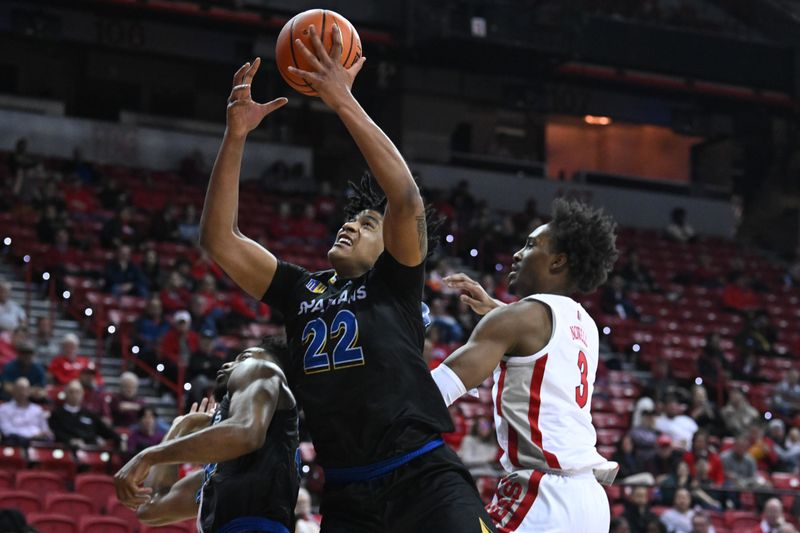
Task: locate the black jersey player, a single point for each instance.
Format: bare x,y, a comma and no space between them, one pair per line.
249,446
355,332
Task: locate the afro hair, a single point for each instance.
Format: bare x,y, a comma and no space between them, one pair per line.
367,195
588,238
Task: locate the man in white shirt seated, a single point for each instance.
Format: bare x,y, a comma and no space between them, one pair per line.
676,424
22,421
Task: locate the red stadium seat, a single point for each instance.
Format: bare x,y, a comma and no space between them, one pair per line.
39,482
52,523
98,487
69,504
785,480
12,458
172,528
99,461
104,524
25,501
744,523
6,479
53,458
118,510
609,437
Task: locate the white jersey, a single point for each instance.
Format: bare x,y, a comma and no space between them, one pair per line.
542,401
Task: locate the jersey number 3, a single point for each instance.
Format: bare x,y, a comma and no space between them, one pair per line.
346,353
582,390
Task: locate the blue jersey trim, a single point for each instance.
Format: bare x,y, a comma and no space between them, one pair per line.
338,476
247,524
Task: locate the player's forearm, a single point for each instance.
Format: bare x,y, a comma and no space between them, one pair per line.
163,476
218,220
215,444
384,159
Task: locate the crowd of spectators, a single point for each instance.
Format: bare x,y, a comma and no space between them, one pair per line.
693,443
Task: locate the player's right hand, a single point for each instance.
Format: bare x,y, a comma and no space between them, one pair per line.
473,295
244,115
128,482
198,417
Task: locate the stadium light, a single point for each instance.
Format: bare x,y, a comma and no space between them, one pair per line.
134,349
88,311
112,329
636,348
595,120
26,258
7,241
606,330
473,252
449,238
187,386
45,276
66,295
160,367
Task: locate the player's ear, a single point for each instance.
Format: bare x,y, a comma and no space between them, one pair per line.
558,262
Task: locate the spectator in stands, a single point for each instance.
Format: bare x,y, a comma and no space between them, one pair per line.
76,426
151,326
450,329
739,296
164,225
786,398
81,169
675,423
203,361
304,520
50,221
479,449
665,461
614,300
746,366
180,341
701,523
12,316
762,449
20,420
637,277
204,316
679,229
702,487
700,450
703,412
711,363
643,432
125,405
24,366
44,340
20,161
637,509
189,226
123,277
625,455
757,333
94,399
738,414
120,230
145,433
243,309
68,365
175,296
772,519
678,518
739,466
151,270
51,195
776,435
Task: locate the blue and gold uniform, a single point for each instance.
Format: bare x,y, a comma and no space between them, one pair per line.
374,413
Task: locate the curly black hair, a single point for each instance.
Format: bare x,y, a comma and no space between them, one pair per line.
367,195
588,237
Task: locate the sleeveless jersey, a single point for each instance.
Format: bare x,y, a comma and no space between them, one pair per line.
542,401
260,485
356,361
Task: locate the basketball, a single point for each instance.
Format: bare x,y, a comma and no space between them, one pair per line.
297,28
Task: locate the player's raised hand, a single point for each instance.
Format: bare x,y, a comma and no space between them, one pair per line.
198,417
473,295
329,77
244,115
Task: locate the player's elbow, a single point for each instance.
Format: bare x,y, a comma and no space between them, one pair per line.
148,514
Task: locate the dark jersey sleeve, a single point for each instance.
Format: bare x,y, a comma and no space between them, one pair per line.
286,278
404,281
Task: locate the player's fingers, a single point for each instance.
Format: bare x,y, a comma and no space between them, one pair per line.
462,285
310,57
251,72
269,107
355,69
237,78
470,301
193,408
203,405
319,48
459,277
336,49
306,75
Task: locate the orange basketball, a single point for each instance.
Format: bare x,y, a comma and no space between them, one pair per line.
297,28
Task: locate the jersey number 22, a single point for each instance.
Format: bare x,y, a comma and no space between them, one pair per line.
346,352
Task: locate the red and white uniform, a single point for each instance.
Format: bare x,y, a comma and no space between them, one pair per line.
544,426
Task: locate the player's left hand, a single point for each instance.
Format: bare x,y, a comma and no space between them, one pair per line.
329,78
128,482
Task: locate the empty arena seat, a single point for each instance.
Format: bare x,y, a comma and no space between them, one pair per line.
69,504
24,500
53,458
116,509
6,479
39,482
12,458
98,487
104,524
99,461
52,523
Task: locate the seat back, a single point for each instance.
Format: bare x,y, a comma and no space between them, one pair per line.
52,523
39,482
73,505
25,501
104,524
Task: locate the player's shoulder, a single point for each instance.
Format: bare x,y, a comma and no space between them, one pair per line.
527,312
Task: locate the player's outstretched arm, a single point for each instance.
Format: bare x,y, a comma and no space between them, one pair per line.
248,263
177,504
474,295
497,334
404,228
252,406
